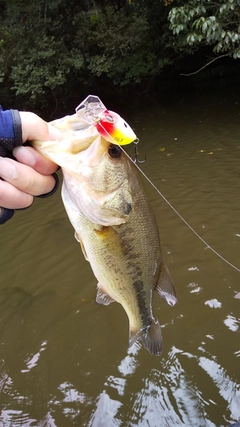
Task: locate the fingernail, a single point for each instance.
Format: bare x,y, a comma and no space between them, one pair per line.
7,169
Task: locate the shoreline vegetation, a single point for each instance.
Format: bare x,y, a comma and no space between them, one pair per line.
54,53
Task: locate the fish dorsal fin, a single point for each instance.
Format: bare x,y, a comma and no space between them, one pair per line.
165,287
102,297
151,337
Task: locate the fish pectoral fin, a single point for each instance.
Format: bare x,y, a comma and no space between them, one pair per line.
151,336
102,297
165,287
111,241
77,237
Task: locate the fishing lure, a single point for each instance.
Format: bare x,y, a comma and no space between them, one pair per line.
109,124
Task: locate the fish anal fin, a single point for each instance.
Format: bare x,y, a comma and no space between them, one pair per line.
165,287
151,337
78,238
102,297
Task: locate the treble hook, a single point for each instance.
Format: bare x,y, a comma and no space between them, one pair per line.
136,153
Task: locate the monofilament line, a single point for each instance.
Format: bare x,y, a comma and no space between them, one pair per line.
185,222
175,210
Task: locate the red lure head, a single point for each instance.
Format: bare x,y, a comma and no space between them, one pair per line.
106,124
114,129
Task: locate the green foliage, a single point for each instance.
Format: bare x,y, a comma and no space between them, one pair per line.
51,50
204,22
118,46
51,47
35,58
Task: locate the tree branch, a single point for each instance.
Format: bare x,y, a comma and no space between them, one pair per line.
206,65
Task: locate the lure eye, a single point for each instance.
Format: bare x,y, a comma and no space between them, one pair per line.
114,151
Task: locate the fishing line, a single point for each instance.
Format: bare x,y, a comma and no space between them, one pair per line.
175,210
185,222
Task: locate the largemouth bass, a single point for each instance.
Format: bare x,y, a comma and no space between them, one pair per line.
117,231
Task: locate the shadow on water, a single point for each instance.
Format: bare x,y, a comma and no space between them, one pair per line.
64,359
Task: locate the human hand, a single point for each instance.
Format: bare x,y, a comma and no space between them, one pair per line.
31,174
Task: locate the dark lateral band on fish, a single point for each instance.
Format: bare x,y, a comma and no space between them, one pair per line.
150,335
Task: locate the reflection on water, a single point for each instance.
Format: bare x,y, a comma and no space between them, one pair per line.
169,399
64,359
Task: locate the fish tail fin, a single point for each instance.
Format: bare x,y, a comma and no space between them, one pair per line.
150,336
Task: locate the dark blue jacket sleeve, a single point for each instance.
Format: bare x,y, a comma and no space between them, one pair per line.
10,131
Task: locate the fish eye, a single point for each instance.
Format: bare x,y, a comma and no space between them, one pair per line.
114,151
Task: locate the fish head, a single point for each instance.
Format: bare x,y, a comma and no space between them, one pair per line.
114,128
101,186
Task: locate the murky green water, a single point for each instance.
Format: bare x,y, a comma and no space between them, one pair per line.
64,359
